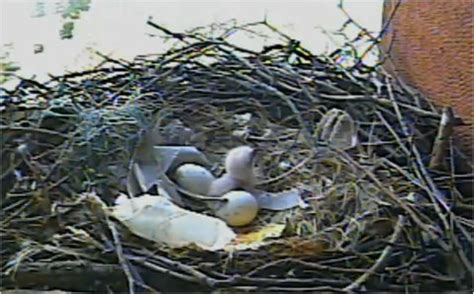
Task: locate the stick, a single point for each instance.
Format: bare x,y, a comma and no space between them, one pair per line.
441,143
397,200
122,260
382,260
117,244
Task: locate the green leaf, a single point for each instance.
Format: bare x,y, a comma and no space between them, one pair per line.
67,30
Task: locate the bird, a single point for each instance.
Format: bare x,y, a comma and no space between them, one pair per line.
239,166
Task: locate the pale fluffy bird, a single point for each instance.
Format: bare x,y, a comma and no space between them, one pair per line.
239,172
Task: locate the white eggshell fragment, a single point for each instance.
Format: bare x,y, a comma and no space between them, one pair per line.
240,209
194,178
158,219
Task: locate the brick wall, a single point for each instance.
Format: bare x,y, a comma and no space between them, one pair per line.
432,50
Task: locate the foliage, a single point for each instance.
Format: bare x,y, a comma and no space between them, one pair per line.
70,11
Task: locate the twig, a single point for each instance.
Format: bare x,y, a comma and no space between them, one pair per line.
179,36
397,200
375,41
441,144
117,244
381,261
436,197
193,275
122,260
285,174
458,249
32,130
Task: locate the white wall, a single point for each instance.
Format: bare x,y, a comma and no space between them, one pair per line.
119,27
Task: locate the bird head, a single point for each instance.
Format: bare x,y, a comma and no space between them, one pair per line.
239,163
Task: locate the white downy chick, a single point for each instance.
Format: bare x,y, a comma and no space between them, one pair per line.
239,164
239,172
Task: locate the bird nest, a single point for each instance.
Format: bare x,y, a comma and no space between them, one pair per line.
377,218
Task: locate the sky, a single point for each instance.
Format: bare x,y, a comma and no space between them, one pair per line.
118,27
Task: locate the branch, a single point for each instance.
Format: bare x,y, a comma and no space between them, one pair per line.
441,143
382,260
